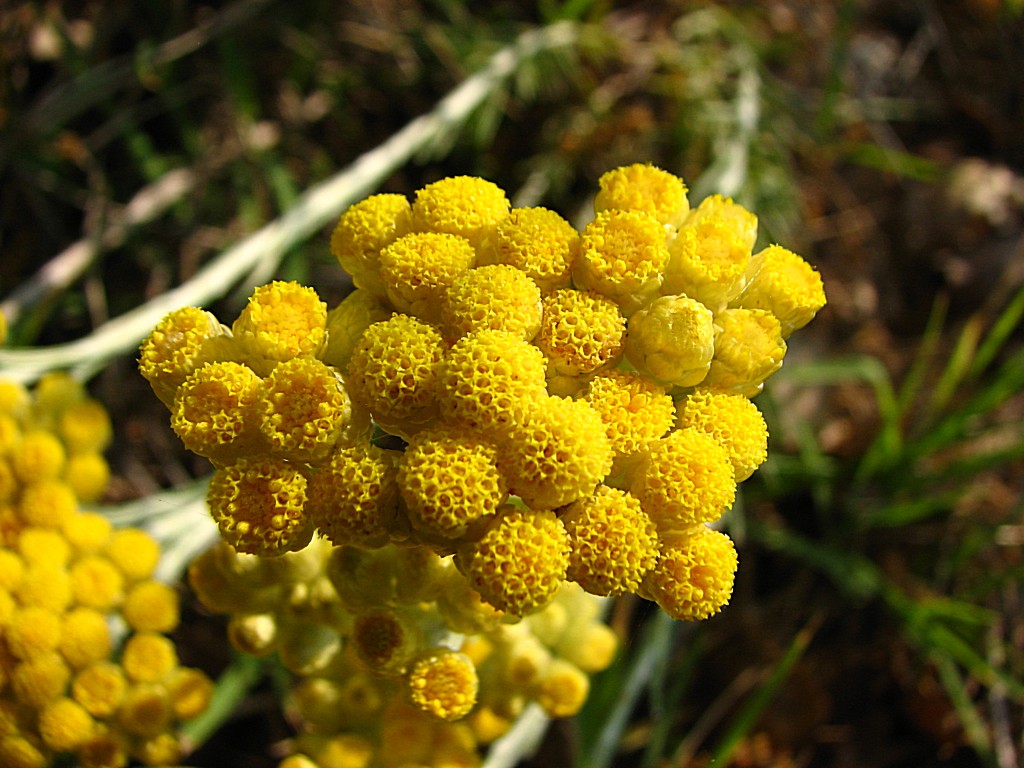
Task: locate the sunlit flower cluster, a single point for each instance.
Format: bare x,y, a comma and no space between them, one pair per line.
70,586
521,406
397,660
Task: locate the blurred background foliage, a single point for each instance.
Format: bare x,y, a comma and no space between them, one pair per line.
878,618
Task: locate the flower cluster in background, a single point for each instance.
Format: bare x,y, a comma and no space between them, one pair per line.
517,411
397,662
71,587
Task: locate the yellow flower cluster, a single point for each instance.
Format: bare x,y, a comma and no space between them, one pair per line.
397,660
67,577
567,402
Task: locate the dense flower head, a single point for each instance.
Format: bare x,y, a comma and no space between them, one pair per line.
282,320
505,419
363,231
214,410
643,187
449,480
557,453
460,205
634,409
748,349
393,372
623,255
353,498
258,506
693,578
785,285
536,241
614,542
488,378
683,479
495,297
581,332
709,261
186,339
418,269
672,340
72,586
734,421
303,409
518,564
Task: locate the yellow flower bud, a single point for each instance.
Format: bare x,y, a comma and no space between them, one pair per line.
214,410
282,320
134,552
40,679
562,689
304,409
643,187
686,478
580,332
742,222
258,506
64,725
417,270
519,563
85,427
634,409
148,657
443,683
87,532
161,749
347,322
693,578
460,205
353,499
106,749
785,285
47,503
32,632
87,474
97,583
151,606
734,421
614,543
449,480
363,231
536,241
672,341
145,711
85,637
487,378
45,585
709,261
99,688
622,256
19,752
386,640
190,691
43,546
185,340
556,454
393,372
748,349
495,297
39,455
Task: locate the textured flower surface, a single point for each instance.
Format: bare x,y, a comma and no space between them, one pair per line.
505,421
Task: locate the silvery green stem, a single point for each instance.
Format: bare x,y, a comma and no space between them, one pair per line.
313,210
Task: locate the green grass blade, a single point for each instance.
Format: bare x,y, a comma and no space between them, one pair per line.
746,720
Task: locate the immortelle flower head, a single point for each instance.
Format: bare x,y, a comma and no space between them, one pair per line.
72,693
424,488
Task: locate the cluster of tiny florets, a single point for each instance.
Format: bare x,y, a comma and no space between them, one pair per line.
69,583
528,403
394,640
